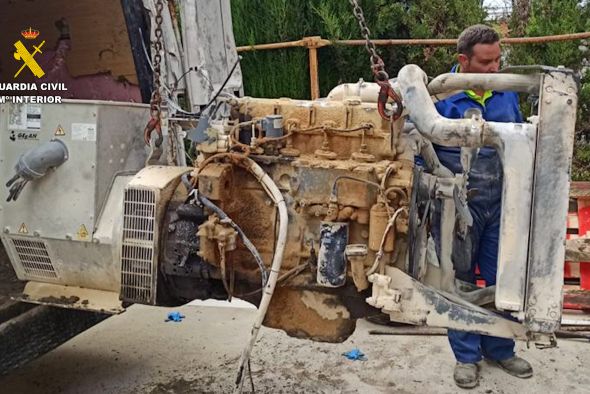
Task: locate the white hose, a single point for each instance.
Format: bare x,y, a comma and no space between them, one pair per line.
433,126
444,83
379,254
273,191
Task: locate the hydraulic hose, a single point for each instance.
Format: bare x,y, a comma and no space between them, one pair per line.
438,129
528,83
274,193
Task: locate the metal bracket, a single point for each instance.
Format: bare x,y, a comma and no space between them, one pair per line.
409,301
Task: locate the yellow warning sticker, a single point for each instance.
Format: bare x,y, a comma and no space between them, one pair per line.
82,232
23,229
60,132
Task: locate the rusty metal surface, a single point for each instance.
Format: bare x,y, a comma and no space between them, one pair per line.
72,297
328,173
308,314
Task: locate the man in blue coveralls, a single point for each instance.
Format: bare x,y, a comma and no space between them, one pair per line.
478,50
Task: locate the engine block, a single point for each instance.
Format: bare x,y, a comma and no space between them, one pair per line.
342,170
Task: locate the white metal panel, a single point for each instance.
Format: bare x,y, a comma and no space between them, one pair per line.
65,203
518,156
210,46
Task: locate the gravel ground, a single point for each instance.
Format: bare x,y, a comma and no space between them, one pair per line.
137,352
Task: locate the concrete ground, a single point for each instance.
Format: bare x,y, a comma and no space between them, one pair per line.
137,352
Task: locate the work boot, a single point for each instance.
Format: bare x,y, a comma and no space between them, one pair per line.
516,366
466,375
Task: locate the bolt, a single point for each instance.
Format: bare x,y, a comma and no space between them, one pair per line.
570,101
69,237
6,230
549,89
36,233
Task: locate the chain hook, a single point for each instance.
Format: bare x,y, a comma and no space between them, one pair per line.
156,101
385,93
378,68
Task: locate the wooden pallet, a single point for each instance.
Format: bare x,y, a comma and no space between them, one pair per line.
577,272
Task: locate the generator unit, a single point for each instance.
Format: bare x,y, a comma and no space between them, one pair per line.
59,225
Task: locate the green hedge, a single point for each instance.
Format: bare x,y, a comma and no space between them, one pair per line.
285,72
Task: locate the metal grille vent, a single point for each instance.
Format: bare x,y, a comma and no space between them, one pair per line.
34,258
138,247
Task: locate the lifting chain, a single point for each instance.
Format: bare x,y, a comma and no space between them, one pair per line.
378,67
156,100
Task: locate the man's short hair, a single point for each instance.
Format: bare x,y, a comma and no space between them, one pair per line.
473,35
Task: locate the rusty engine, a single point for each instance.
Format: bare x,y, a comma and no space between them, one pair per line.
345,177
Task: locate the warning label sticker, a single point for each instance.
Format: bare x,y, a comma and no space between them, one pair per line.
59,132
23,229
82,232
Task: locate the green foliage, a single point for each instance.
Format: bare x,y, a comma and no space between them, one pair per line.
549,17
581,161
285,72
272,73
439,19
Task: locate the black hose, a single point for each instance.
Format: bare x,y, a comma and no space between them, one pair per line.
223,84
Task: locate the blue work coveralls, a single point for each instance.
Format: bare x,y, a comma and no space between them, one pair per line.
485,176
